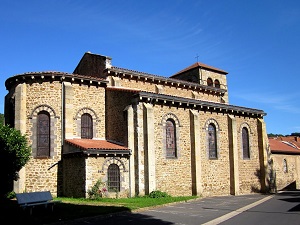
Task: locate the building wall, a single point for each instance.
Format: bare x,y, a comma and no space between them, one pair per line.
88,99
249,169
74,176
115,117
285,177
162,88
44,173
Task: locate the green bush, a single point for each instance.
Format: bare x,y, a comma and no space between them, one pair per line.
11,195
99,190
158,194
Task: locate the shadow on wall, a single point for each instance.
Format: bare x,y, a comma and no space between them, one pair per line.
271,182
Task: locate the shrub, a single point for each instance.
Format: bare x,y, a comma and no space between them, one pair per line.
99,190
158,194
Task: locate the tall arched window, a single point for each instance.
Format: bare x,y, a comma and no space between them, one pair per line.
212,141
217,83
209,82
113,177
43,134
171,149
86,126
245,141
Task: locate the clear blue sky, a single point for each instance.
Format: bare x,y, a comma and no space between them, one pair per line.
257,42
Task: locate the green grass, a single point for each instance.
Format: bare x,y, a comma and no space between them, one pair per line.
73,208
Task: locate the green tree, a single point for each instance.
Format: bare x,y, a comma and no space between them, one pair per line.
14,154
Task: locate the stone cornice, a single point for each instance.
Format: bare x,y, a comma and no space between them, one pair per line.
131,74
53,76
198,104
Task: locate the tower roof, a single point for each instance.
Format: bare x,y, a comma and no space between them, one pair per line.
200,65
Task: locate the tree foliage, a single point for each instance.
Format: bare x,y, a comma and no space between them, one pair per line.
14,153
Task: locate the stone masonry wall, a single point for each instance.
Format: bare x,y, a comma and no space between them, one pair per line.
249,169
116,121
42,174
168,90
90,99
284,178
96,168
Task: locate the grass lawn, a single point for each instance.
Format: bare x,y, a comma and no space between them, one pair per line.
73,208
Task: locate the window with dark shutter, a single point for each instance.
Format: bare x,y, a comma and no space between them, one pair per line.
171,150
43,134
86,126
245,140
212,141
113,177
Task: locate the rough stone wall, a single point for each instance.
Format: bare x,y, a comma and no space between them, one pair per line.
222,79
96,169
200,76
249,169
284,178
215,172
90,98
116,120
168,90
74,177
173,175
42,174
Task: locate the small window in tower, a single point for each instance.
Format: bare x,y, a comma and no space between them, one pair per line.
217,83
209,82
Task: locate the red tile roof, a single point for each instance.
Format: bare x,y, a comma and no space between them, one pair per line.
283,147
201,65
91,144
292,139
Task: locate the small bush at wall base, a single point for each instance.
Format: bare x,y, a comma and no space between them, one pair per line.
99,190
158,194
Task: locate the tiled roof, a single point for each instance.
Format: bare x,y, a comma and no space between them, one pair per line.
91,144
201,65
283,147
292,139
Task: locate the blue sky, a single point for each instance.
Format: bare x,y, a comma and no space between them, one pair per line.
257,42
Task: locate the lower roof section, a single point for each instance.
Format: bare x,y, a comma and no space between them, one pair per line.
95,147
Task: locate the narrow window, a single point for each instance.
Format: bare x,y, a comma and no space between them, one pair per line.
113,177
171,139
209,82
217,83
285,168
245,141
43,134
212,141
86,126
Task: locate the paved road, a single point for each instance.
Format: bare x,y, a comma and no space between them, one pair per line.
257,209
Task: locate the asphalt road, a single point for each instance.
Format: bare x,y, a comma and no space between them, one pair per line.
255,209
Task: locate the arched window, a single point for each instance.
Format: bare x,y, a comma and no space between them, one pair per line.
217,83
245,141
212,141
43,134
113,177
86,126
171,149
209,82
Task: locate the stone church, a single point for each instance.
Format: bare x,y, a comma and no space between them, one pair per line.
136,132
